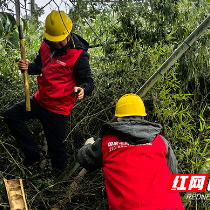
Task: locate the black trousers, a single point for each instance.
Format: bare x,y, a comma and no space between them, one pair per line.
54,126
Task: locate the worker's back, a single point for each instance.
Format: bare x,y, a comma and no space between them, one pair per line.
137,176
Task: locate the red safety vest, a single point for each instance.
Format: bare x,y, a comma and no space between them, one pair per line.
137,176
55,85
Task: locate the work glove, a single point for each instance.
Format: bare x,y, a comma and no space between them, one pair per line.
90,141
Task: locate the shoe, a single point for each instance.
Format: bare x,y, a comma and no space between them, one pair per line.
41,161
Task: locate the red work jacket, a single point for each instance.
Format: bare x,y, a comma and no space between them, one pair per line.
137,176
55,85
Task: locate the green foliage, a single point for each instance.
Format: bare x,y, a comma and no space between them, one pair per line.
7,29
7,23
132,39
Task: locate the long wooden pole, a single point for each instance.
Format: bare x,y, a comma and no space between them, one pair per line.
23,56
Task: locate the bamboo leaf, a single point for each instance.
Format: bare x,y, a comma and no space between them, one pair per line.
3,19
25,24
12,20
14,39
7,23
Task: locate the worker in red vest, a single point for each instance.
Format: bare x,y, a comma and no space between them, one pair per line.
64,74
137,160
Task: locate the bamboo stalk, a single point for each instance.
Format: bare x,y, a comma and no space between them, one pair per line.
77,180
16,195
23,56
173,58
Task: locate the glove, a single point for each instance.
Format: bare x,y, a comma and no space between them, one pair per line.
89,141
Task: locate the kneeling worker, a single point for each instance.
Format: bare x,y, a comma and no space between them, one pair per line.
137,160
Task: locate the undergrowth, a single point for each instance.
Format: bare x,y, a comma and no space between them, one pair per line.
179,101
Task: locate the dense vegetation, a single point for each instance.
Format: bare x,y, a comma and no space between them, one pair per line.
129,41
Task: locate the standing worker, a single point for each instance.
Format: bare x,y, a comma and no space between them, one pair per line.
137,160
64,74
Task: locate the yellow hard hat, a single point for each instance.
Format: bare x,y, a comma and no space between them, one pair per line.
130,105
57,26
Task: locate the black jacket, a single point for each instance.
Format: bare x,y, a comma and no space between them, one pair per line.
132,131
